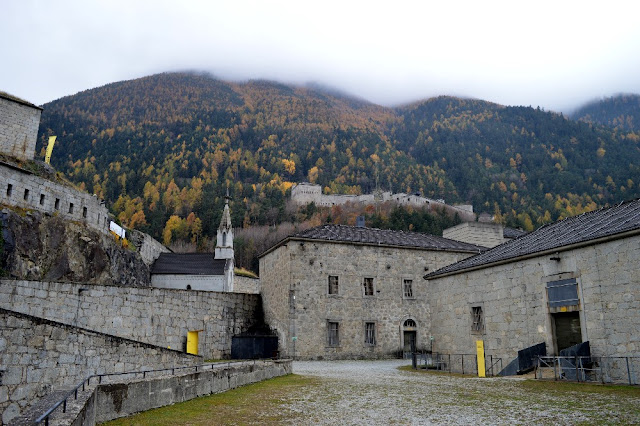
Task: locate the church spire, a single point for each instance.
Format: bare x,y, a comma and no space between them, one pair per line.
225,222
224,241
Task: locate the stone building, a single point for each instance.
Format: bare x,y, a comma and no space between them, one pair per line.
353,292
199,271
568,282
485,234
18,127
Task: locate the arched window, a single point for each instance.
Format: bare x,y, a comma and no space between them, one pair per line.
224,239
409,323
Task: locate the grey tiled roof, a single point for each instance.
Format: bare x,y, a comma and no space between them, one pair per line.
374,236
188,264
513,233
574,230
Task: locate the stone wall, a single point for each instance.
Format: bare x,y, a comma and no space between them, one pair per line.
478,233
515,305
189,282
38,356
18,127
157,316
148,247
22,189
294,280
246,285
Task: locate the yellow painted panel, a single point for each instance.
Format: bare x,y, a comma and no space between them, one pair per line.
480,351
192,342
52,141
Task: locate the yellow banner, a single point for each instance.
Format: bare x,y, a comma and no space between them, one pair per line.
480,352
47,157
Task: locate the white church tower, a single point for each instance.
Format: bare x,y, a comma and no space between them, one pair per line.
224,243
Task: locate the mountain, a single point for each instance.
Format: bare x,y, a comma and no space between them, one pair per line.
621,112
162,150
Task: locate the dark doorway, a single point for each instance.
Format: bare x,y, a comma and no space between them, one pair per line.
409,341
567,329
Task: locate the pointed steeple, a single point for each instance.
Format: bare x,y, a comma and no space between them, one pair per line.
224,241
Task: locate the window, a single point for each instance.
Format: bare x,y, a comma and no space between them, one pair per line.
409,324
368,286
333,333
9,190
26,195
407,286
42,199
70,208
477,318
370,333
84,212
563,293
333,284
57,205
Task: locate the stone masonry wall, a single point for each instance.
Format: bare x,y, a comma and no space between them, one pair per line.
38,356
298,305
148,247
514,302
478,233
246,285
18,128
22,189
157,316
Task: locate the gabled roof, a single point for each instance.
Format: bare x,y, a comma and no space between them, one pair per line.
13,98
568,233
188,264
512,233
380,237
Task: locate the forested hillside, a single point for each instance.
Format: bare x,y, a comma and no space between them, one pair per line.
622,112
162,150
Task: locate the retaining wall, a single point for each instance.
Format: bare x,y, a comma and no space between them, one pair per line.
154,315
38,356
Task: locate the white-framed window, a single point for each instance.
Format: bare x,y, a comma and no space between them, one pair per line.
333,284
370,333
367,284
407,288
333,333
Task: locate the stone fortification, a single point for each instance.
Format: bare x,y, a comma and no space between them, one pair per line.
306,193
39,356
246,285
156,316
18,127
298,305
514,302
479,233
21,188
148,247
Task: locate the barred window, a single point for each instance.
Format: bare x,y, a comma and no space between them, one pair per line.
333,333
333,284
368,286
370,333
408,289
477,317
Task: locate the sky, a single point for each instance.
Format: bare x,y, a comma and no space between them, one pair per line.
553,54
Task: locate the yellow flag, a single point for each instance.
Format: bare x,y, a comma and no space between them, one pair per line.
47,157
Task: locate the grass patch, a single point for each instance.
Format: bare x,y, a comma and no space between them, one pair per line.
258,403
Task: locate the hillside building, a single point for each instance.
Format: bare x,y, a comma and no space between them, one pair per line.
339,291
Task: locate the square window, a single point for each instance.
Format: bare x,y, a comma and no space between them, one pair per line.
41,199
368,286
70,208
333,333
84,212
477,317
333,284
407,287
562,293
370,333
26,195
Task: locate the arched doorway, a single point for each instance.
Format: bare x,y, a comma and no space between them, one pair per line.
409,337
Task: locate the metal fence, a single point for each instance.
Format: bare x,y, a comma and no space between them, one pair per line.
458,363
596,369
130,375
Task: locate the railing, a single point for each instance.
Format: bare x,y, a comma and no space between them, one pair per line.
602,369
458,363
87,382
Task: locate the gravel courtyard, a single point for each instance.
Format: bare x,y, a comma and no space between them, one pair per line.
376,392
